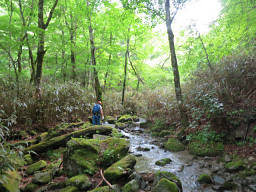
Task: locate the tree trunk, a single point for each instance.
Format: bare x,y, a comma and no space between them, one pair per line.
183,115
125,65
109,62
206,53
72,41
97,86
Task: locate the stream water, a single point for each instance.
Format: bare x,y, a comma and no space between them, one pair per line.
182,163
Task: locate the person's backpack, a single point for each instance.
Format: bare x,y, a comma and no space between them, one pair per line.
96,109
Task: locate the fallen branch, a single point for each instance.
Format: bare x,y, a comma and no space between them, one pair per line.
99,184
109,184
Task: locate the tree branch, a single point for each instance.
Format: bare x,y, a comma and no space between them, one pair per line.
50,15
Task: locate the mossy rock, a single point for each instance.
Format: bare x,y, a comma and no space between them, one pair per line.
168,175
84,155
127,118
42,177
10,181
31,187
28,159
174,145
121,169
121,126
36,167
80,181
205,149
102,189
70,189
164,185
228,185
235,166
55,154
110,119
61,141
204,179
163,162
131,186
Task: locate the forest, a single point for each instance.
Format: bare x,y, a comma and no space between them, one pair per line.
179,102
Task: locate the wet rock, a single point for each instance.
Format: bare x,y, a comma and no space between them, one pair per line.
131,186
181,168
163,162
235,166
252,187
42,177
142,148
31,187
137,155
218,180
168,175
205,149
174,145
80,181
125,118
60,141
204,179
36,167
10,181
121,169
227,158
121,126
164,185
84,155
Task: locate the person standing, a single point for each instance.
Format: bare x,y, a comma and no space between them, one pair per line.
97,113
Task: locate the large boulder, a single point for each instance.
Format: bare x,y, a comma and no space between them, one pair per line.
80,181
167,175
83,156
42,177
127,118
174,145
121,169
60,141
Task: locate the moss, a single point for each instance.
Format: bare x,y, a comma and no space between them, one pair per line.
163,162
235,166
132,186
174,145
125,118
204,179
205,149
102,189
166,186
42,177
55,154
168,175
36,166
31,187
80,181
70,189
247,172
110,119
120,169
120,125
228,186
10,181
59,141
28,159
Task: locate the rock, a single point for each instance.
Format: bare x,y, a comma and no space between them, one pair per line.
70,189
218,180
121,169
31,187
84,155
235,166
252,187
36,167
228,185
61,141
121,126
28,159
168,175
80,181
174,145
163,162
142,148
204,179
102,189
227,158
127,118
145,124
205,149
181,168
110,119
100,137
164,185
132,186
10,181
42,177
